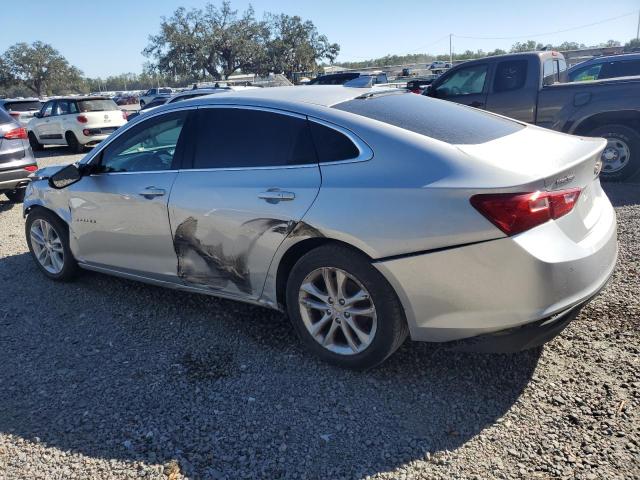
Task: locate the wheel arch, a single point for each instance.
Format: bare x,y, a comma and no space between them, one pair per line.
629,118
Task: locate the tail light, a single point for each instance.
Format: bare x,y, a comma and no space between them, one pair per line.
124,114
15,115
31,168
16,134
82,119
516,212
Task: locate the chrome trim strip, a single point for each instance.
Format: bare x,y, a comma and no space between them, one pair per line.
252,107
133,173
234,169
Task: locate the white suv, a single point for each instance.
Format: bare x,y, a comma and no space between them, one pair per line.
75,121
153,93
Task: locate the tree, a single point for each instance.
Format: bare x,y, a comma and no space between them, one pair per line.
296,46
632,45
218,41
528,46
39,67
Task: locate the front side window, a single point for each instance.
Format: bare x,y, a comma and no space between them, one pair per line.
510,75
150,146
47,109
591,72
62,107
245,138
466,81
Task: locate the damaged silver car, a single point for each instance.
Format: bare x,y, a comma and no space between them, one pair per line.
365,214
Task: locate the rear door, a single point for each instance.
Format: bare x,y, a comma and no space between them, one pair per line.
254,175
514,89
466,85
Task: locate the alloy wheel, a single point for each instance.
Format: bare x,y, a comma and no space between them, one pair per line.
337,311
47,246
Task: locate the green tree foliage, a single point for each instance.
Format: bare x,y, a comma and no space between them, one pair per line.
632,45
38,67
219,41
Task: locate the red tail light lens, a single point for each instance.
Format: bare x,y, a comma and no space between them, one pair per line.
516,212
31,168
82,119
16,134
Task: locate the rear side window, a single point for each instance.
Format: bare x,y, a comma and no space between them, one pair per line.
550,72
620,69
245,138
22,106
332,145
510,75
444,121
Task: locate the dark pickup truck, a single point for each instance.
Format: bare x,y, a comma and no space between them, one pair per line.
532,87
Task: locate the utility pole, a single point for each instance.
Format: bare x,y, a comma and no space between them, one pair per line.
638,30
451,49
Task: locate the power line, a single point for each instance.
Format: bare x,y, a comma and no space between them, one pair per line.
549,33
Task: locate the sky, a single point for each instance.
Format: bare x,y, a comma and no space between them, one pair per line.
107,38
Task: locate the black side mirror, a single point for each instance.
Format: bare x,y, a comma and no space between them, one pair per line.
37,115
65,177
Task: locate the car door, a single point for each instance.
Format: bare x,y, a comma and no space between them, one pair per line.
513,90
254,175
42,125
61,110
119,211
466,85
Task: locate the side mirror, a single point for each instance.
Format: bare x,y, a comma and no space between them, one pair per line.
65,177
37,115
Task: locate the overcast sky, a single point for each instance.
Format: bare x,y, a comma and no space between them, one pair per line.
105,38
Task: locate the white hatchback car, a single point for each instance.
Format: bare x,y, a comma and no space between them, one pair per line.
75,121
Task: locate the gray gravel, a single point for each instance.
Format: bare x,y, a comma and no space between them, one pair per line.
107,378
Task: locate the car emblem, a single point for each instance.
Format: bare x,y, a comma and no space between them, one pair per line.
565,179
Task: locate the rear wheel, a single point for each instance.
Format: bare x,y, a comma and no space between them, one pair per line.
343,309
33,141
74,145
621,156
48,241
16,196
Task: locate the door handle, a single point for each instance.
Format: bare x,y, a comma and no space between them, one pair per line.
477,104
151,192
275,195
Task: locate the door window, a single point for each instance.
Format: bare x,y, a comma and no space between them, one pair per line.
47,109
332,145
510,75
620,69
150,146
466,81
245,138
62,107
591,72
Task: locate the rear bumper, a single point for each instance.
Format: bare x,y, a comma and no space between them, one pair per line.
15,178
502,284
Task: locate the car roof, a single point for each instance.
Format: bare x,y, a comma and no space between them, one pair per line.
17,100
101,97
322,95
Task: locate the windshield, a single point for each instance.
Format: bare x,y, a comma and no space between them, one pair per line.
444,121
97,105
22,106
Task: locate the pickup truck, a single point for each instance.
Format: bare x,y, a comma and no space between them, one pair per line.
532,87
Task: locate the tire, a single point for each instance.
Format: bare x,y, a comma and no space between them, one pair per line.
36,146
390,329
69,268
74,145
16,196
623,144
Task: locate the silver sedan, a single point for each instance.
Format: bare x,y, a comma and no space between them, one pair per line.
365,214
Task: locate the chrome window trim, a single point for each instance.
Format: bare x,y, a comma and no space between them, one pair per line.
134,173
255,107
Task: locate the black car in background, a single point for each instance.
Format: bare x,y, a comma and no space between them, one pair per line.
16,158
611,66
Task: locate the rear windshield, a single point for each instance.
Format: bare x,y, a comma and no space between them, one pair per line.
444,121
22,106
96,105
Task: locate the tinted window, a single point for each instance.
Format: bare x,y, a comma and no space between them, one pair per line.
22,106
510,75
466,81
448,122
332,145
620,69
47,109
62,107
149,146
236,137
97,105
591,72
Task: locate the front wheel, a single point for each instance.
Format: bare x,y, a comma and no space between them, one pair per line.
48,241
621,156
343,309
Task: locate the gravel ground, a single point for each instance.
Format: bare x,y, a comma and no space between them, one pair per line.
107,378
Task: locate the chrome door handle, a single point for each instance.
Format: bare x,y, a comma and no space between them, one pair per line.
275,196
151,192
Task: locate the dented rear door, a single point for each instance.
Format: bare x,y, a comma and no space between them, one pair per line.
253,176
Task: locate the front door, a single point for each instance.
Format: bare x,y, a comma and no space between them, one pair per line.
119,212
42,126
466,85
254,175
